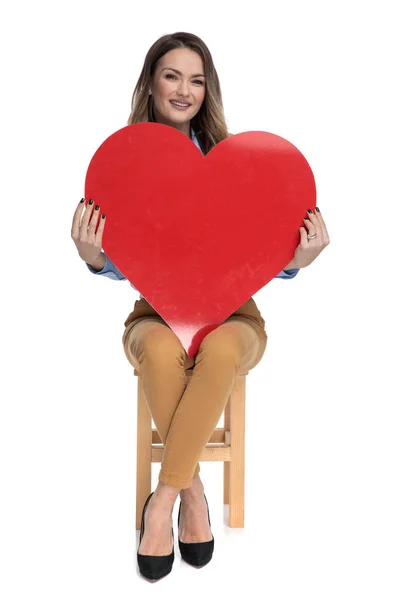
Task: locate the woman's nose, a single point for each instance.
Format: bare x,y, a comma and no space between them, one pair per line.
184,89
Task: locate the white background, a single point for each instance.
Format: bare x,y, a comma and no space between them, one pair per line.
322,442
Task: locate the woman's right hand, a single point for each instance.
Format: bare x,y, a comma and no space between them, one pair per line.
87,240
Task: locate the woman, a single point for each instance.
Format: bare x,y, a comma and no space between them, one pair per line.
179,87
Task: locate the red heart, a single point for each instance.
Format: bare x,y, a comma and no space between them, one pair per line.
198,236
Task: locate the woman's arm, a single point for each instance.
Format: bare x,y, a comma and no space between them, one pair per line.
98,265
289,271
104,266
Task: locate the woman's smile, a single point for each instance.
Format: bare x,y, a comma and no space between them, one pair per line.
181,105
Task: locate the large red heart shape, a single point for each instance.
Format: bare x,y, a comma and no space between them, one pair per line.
198,236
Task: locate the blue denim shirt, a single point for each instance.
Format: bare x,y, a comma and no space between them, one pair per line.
110,270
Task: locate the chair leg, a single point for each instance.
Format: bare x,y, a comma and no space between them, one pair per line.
236,483
143,453
227,464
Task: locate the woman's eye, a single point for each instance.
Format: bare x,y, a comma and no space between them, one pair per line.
195,81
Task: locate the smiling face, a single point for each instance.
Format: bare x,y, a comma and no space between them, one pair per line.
179,76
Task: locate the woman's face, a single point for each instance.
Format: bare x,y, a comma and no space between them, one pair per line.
179,76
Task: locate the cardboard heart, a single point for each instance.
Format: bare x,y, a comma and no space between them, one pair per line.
198,236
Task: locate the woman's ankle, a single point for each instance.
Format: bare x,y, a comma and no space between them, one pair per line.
165,495
197,488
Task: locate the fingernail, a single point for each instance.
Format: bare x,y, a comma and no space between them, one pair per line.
316,208
96,207
309,210
83,200
103,216
90,201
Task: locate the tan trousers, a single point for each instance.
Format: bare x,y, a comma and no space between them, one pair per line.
186,414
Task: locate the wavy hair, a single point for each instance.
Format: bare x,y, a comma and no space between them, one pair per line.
209,123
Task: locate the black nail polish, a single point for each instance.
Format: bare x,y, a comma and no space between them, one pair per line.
96,207
103,216
90,201
316,208
82,200
309,210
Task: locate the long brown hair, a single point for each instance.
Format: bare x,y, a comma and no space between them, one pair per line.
209,123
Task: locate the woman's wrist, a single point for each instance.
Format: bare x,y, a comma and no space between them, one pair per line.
291,265
99,263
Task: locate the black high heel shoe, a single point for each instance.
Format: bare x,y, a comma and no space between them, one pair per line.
154,567
197,554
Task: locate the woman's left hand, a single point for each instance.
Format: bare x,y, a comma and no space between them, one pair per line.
308,249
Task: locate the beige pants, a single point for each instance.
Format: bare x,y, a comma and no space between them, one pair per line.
186,413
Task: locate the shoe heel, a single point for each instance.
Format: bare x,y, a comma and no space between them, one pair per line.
153,567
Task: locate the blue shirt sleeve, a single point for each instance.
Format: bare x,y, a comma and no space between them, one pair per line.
289,274
109,270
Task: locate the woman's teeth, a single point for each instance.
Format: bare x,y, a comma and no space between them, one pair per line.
180,104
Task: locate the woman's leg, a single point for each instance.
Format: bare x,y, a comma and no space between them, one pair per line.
233,348
250,346
155,351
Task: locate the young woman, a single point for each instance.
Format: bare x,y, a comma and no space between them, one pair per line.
179,87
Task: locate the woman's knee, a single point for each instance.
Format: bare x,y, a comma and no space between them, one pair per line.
221,344
232,343
159,344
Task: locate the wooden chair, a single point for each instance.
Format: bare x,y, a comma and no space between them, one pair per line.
226,444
